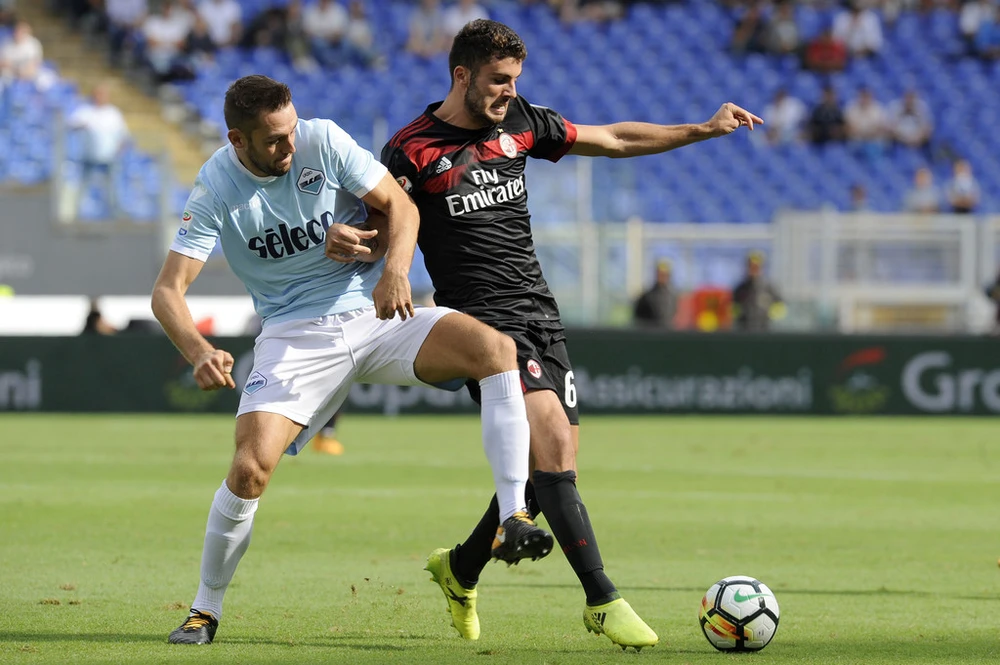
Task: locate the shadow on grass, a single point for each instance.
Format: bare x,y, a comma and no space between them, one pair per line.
357,642
910,593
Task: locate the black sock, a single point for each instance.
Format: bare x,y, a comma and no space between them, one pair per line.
469,558
567,517
530,500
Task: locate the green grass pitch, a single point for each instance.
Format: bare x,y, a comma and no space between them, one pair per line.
879,537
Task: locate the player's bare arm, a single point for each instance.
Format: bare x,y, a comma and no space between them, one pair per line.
212,367
631,139
392,293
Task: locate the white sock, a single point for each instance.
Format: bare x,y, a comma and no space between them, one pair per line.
506,438
227,537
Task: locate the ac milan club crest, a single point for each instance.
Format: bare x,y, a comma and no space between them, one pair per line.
534,369
509,147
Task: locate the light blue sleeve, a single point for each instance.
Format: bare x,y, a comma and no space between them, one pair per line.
353,166
201,224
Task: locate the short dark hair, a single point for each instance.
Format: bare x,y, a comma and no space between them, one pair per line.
481,41
247,98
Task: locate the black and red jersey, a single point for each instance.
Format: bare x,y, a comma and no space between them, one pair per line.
475,229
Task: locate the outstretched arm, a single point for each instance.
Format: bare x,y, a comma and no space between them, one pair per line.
631,139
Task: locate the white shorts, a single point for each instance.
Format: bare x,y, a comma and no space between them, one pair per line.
304,369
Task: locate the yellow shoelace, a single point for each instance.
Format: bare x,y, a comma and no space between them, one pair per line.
196,621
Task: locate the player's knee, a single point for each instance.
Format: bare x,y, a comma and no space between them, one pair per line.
553,450
499,354
248,477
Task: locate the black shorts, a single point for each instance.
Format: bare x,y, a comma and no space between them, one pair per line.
544,363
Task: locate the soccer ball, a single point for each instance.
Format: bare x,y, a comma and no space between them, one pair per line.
738,613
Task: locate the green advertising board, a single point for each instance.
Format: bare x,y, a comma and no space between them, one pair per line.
615,371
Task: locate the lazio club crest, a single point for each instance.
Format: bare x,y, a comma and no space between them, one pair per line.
310,181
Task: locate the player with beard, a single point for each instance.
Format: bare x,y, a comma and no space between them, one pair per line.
287,201
463,162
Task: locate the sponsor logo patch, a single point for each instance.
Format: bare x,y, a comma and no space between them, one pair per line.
185,224
858,388
443,165
255,382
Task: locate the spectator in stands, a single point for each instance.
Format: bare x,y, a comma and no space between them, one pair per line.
924,197
973,16
166,32
866,123
859,28
325,22
656,307
21,55
781,35
123,21
224,19
910,121
962,189
267,29
359,40
826,123
457,16
297,43
785,118
825,54
427,36
988,38
105,136
95,323
751,31
199,49
755,300
283,27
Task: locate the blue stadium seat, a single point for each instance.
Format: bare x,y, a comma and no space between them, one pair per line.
664,63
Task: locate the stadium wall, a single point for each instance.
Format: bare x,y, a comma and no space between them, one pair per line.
41,257
615,372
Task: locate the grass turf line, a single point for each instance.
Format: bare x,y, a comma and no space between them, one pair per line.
878,536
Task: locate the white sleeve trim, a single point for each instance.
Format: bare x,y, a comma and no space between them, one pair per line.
371,179
190,252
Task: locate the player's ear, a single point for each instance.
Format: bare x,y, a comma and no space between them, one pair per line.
462,77
237,138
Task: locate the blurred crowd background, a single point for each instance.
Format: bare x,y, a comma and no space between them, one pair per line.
867,201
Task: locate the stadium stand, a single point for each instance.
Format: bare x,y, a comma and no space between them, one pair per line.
601,72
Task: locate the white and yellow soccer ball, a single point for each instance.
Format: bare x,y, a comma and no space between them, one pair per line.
739,613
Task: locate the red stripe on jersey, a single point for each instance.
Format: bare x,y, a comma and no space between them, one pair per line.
421,123
445,181
422,152
492,150
570,140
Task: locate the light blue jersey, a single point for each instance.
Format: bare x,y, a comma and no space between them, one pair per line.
273,229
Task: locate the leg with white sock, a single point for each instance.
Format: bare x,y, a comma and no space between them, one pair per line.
227,536
506,438
459,346
261,439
